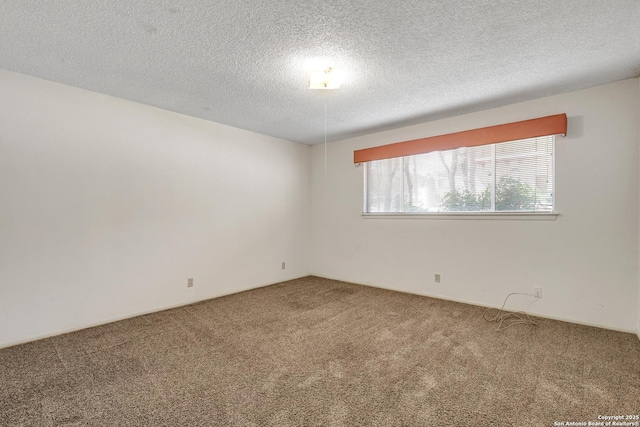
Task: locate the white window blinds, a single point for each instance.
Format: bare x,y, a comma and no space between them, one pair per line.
515,176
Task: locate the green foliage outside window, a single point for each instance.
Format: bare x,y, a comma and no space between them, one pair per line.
511,195
466,201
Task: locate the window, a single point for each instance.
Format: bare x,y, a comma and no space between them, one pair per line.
515,176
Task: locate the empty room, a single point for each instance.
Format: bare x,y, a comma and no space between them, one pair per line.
341,213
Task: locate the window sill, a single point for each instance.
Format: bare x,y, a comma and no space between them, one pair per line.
518,216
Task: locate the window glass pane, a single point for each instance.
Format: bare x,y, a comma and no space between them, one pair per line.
453,180
384,185
468,173
524,175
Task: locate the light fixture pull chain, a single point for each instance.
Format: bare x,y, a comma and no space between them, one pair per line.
325,139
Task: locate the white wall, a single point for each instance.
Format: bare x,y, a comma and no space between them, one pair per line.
108,206
586,261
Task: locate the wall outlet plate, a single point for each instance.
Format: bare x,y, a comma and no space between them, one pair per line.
190,282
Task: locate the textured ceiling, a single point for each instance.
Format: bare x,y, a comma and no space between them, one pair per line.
245,63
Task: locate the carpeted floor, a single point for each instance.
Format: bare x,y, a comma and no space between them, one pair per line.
320,352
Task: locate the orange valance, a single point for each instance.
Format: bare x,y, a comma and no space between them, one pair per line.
543,126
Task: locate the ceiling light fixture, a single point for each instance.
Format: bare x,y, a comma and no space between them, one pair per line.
329,78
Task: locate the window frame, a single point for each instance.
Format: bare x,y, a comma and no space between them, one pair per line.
466,215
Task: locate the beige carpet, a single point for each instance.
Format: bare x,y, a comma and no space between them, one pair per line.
320,352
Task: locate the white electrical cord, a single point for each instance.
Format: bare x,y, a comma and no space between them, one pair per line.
501,315
325,139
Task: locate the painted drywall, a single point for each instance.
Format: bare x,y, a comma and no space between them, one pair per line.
107,207
586,261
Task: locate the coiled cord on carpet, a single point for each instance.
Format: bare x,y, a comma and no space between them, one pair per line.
519,317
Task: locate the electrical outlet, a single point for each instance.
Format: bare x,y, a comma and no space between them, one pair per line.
283,265
190,282
437,278
537,292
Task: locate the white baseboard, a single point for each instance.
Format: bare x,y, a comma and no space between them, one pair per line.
155,310
480,304
136,314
